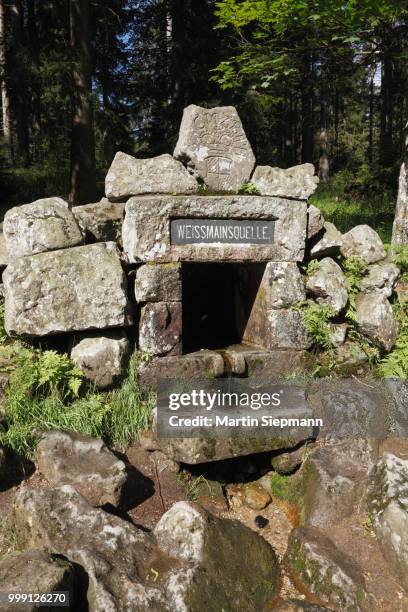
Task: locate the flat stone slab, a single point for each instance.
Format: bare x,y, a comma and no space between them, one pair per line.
85,463
129,176
212,142
296,182
43,225
70,290
147,228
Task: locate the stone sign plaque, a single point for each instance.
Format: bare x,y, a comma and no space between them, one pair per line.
222,231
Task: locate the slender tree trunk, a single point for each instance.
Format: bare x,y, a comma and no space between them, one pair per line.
5,99
400,225
324,162
386,123
20,89
83,178
336,125
371,120
307,110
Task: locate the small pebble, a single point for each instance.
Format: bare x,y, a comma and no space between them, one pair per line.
261,521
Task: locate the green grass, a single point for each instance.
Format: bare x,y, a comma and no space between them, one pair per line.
29,408
347,207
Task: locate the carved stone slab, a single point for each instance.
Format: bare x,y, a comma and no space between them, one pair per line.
213,143
147,228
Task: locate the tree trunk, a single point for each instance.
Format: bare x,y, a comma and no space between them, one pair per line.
307,110
83,178
400,225
371,120
386,121
20,89
324,162
5,99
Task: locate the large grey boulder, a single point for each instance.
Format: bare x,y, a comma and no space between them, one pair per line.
65,457
69,290
102,221
282,285
147,228
363,242
375,319
102,359
114,553
129,176
44,225
160,328
34,571
329,285
329,243
380,278
219,577
388,507
158,283
212,142
322,569
296,182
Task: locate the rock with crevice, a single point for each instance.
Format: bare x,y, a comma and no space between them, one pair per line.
363,242
388,507
34,571
375,319
103,358
334,578
329,285
101,221
65,457
329,243
297,182
129,176
43,225
158,283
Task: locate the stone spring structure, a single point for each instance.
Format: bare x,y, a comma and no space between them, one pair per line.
205,277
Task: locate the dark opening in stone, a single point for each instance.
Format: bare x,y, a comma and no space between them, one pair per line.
217,302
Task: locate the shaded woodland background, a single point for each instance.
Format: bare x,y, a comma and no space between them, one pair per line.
314,81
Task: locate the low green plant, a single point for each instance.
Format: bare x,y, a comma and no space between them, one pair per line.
3,334
401,260
395,364
44,393
316,318
354,269
248,189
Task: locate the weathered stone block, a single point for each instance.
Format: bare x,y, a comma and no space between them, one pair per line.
201,364
375,319
102,359
85,463
158,283
363,242
329,285
71,290
315,221
213,143
102,221
129,176
296,182
283,329
160,328
147,236
44,225
381,278
282,286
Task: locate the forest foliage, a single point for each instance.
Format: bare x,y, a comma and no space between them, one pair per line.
315,81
